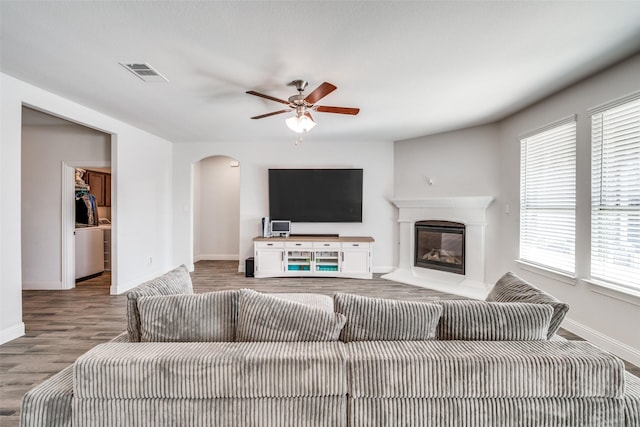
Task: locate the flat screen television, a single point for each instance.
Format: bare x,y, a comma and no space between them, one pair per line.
315,195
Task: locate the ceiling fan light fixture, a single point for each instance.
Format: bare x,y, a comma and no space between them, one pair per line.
300,123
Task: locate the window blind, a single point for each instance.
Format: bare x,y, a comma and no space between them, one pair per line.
548,197
615,195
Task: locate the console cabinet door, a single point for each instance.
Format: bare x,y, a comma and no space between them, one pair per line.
356,258
268,258
269,261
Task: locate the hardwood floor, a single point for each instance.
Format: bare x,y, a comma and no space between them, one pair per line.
62,325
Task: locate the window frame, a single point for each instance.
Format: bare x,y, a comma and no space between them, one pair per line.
601,205
534,203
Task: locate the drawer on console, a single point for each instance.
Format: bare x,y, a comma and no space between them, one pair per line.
268,245
326,245
363,245
298,245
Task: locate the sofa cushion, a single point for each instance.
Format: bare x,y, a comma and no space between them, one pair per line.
386,319
479,369
176,281
183,318
317,300
492,321
267,318
211,370
511,288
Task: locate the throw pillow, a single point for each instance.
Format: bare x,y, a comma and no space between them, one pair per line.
493,321
380,319
189,318
176,281
267,318
511,288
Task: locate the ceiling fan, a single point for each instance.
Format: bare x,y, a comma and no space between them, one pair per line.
303,105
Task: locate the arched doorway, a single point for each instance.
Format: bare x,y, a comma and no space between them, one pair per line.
216,210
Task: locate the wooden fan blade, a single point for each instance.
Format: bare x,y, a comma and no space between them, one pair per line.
262,116
262,95
338,110
320,92
308,114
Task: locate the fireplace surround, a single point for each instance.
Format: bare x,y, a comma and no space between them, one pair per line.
469,211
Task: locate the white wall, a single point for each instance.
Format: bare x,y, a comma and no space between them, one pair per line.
44,149
141,165
217,207
605,320
460,163
375,158
197,209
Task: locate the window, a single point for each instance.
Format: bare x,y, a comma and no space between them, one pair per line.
548,197
615,193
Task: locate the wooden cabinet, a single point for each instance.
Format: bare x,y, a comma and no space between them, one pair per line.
320,256
100,187
107,190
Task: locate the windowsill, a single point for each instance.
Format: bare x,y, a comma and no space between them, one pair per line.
614,291
547,272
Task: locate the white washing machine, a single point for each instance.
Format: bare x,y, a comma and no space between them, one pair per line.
89,251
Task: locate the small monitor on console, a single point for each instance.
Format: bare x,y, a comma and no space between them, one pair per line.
280,228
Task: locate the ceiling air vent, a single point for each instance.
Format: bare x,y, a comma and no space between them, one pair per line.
145,72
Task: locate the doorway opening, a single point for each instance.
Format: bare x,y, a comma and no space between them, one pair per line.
48,195
216,209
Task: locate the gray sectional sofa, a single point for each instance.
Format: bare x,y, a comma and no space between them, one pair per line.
242,358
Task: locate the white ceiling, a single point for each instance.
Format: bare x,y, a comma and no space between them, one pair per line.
413,68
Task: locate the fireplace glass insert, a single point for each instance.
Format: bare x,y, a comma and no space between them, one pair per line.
439,245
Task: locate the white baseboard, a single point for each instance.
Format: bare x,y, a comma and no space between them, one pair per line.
11,333
216,257
42,286
620,349
383,269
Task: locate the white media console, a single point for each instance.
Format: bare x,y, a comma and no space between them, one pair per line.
307,256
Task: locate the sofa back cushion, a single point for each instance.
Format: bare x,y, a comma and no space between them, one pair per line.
492,321
176,281
370,319
484,369
185,372
267,318
317,300
511,288
189,318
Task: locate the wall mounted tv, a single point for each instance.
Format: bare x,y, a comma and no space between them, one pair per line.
315,195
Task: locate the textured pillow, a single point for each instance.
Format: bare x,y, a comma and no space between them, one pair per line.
379,319
493,321
189,318
317,300
176,281
267,318
511,288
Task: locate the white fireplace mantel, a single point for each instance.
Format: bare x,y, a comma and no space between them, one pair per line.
470,211
482,202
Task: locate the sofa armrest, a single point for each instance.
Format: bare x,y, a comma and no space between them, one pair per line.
631,400
49,403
